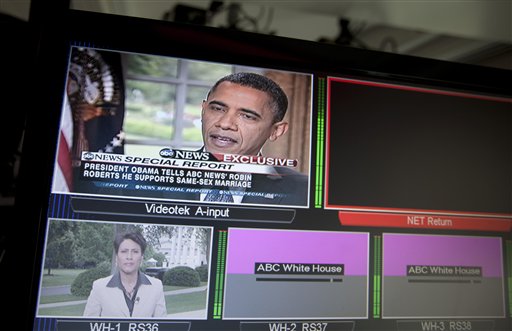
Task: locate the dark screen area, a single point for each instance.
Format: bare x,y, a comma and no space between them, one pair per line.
418,149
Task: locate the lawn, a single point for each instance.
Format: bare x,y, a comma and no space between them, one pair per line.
59,277
175,304
70,305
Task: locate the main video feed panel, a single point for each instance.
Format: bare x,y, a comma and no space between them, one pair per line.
147,126
410,149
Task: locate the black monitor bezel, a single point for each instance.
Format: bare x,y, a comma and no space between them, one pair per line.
205,43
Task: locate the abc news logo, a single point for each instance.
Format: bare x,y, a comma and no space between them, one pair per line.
186,155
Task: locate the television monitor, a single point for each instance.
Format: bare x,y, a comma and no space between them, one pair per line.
382,200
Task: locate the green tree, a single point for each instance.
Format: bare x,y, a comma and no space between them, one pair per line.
94,244
60,243
160,258
150,65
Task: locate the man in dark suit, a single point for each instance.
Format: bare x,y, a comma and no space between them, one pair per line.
241,113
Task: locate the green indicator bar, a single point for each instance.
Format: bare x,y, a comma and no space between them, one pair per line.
219,275
320,136
508,258
377,272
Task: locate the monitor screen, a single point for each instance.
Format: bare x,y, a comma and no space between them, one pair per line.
209,179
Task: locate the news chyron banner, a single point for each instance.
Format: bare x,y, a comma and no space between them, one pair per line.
194,176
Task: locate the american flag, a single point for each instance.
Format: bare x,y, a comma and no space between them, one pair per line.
63,177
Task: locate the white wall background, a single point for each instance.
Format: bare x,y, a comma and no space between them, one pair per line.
479,19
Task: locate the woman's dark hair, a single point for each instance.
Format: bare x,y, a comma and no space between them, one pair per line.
135,236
